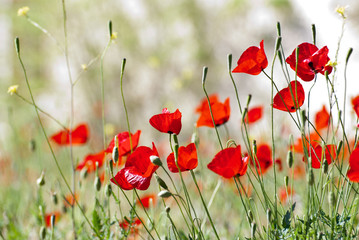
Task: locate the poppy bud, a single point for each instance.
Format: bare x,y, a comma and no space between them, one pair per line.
303,117
253,229
164,194
314,32
250,216
311,177
110,28
161,182
331,198
17,45
83,173
269,215
249,99
97,183
229,62
111,166
348,55
156,160
123,65
278,43
286,181
325,166
42,232
41,180
255,147
290,158
108,190
279,32
52,220
279,54
168,209
115,154
195,138
204,75
32,145
54,198
339,148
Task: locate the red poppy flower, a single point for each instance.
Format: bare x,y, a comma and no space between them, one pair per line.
138,169
318,154
310,61
90,161
70,200
254,114
134,224
299,145
146,200
284,193
353,172
283,100
167,122
229,163
264,158
355,103
79,136
252,61
48,218
221,112
322,119
187,159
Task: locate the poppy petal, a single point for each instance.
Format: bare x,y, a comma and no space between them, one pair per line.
283,100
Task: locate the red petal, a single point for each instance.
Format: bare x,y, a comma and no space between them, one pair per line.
187,159
121,181
252,61
167,122
124,146
227,162
221,113
90,161
79,136
322,119
254,114
283,100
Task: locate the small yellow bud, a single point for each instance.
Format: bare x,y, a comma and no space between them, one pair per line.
331,63
113,36
341,10
12,89
23,11
84,67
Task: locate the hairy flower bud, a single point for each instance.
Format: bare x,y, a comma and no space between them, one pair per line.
41,180
290,158
42,232
311,177
97,183
164,194
161,182
156,160
108,190
115,154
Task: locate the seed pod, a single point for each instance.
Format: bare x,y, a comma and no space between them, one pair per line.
156,160
97,184
42,232
290,158
108,190
164,194
161,182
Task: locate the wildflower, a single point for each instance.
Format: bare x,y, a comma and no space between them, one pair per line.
355,103
114,36
12,89
90,161
252,61
138,169
130,224
70,200
299,145
23,11
284,193
221,112
47,218
322,119
318,154
254,114
283,100
167,122
146,201
263,158
341,10
310,61
124,146
353,172
229,163
79,135
187,159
